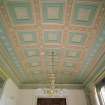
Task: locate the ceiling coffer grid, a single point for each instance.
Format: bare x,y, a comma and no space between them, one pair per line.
34,28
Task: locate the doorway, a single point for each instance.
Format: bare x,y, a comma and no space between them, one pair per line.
51,101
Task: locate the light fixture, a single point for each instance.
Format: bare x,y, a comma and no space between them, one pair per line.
52,77
51,91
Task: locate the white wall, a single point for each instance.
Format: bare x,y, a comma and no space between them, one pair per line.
10,94
14,96
73,96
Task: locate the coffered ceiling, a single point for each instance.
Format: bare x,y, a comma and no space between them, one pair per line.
31,29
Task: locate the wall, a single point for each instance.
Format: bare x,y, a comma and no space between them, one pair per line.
73,96
14,96
10,94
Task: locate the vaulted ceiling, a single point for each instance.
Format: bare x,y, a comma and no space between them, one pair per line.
31,29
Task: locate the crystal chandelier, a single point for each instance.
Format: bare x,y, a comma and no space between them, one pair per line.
52,77
51,91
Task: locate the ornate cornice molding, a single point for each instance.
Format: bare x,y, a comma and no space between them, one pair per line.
61,86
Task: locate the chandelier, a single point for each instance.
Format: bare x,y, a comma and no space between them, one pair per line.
51,91
52,77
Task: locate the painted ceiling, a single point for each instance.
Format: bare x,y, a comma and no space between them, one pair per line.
31,29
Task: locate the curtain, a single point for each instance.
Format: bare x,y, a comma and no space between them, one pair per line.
99,87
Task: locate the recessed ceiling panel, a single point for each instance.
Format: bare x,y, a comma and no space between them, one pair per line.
53,12
26,38
52,37
77,38
73,54
84,13
31,52
20,12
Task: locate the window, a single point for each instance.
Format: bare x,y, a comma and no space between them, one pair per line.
102,94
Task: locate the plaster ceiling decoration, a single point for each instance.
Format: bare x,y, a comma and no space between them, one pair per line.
31,29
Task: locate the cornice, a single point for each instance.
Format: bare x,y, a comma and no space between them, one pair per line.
61,86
